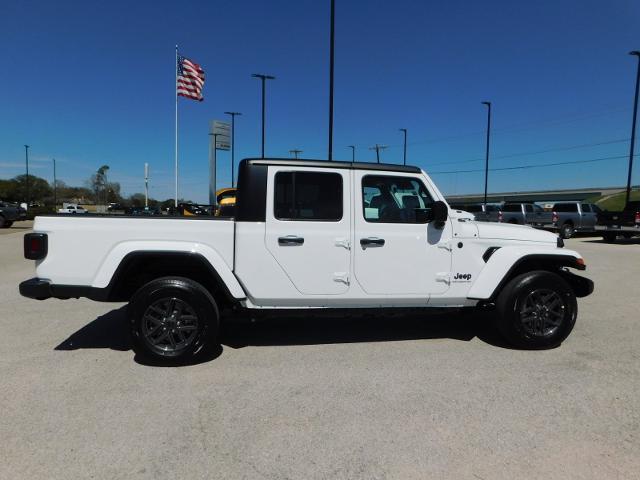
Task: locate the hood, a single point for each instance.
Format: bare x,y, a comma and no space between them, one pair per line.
508,231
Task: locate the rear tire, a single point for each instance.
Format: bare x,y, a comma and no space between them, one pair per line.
609,237
536,310
567,231
3,222
173,321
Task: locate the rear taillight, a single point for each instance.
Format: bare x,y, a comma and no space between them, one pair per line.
35,246
500,216
554,217
637,218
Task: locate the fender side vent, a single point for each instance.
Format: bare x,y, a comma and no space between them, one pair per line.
490,251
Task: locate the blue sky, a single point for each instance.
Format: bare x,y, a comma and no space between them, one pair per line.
92,83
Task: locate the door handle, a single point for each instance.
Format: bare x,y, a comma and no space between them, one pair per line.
372,242
290,240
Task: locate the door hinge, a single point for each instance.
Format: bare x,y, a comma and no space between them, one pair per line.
343,242
342,277
444,277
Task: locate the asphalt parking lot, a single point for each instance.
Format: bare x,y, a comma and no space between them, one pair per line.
350,398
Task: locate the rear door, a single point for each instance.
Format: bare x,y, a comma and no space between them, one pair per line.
588,217
308,227
395,252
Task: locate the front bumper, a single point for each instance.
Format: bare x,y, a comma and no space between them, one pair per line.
581,286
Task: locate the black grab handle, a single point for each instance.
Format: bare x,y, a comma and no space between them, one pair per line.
291,240
372,241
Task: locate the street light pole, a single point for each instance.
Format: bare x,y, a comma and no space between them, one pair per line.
331,61
26,157
146,185
233,145
295,153
404,155
263,78
55,186
486,163
633,127
353,152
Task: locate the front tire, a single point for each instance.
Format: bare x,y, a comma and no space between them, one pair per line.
536,310
567,231
173,320
609,237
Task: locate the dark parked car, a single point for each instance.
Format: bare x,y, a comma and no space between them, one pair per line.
10,213
625,223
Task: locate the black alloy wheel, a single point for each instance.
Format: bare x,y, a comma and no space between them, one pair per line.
536,310
170,325
173,320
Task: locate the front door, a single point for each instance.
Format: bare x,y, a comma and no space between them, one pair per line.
309,227
396,252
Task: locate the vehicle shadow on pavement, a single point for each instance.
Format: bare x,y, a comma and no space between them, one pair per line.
463,326
619,241
110,331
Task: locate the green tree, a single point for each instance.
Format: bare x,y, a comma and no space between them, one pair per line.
15,190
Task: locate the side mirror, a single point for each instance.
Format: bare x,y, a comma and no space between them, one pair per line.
439,213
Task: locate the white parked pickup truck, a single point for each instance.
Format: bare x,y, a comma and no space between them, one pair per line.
72,208
309,235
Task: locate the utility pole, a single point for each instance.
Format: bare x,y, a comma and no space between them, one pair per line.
377,148
264,78
331,62
55,186
633,127
295,153
233,145
353,152
146,185
486,163
404,156
26,156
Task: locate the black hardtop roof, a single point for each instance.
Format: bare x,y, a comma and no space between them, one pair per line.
386,167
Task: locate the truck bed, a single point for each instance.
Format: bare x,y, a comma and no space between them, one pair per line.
88,248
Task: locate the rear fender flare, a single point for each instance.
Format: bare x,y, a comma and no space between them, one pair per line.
115,257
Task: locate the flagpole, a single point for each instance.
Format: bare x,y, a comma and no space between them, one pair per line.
175,67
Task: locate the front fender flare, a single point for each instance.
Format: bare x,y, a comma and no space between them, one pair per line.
506,260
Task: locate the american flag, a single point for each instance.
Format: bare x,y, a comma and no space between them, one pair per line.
190,79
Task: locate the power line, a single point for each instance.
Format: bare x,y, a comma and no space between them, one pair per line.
547,150
523,126
540,165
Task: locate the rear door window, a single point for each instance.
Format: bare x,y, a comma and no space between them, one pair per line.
308,196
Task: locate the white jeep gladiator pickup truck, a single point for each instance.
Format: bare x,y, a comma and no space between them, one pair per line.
308,235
